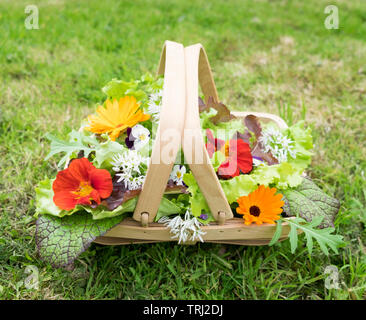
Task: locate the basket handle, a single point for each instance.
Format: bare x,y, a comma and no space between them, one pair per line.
169,133
198,69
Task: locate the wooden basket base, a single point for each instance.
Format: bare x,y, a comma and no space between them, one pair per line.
234,231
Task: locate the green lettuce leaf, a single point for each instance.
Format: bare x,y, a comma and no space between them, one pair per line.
167,208
116,89
104,152
309,201
102,212
197,201
303,144
44,199
140,89
61,240
282,175
45,205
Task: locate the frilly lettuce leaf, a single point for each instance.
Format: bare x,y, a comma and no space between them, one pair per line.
45,205
197,201
140,89
44,199
105,151
303,144
116,89
282,175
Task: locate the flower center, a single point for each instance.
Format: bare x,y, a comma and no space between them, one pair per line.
225,149
179,174
254,211
84,189
142,137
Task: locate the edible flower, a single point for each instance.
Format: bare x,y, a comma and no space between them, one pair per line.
81,183
261,205
116,117
177,174
238,158
137,137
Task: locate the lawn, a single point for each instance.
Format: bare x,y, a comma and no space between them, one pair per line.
271,56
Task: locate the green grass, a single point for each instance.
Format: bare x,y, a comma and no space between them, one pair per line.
273,56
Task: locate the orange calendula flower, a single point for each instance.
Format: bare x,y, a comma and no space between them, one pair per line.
261,205
116,117
81,183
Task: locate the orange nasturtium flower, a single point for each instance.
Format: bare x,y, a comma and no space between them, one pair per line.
81,183
116,117
261,205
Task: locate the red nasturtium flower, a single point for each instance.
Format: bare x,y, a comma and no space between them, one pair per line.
237,152
81,183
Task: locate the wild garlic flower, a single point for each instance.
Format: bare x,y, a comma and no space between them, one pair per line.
177,174
280,145
187,229
129,167
154,104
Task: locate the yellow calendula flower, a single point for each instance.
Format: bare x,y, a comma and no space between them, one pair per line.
116,117
261,205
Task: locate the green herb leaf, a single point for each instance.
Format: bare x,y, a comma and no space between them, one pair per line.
323,236
309,201
77,142
61,240
293,237
277,233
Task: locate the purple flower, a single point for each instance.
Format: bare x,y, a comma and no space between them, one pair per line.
129,139
203,216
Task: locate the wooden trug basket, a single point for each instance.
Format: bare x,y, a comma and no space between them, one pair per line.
183,69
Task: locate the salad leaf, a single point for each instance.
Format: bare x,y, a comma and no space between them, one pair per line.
309,201
282,176
167,208
223,130
197,200
116,89
61,241
324,237
77,142
253,124
44,199
303,144
105,151
223,113
126,203
102,212
140,89
277,234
